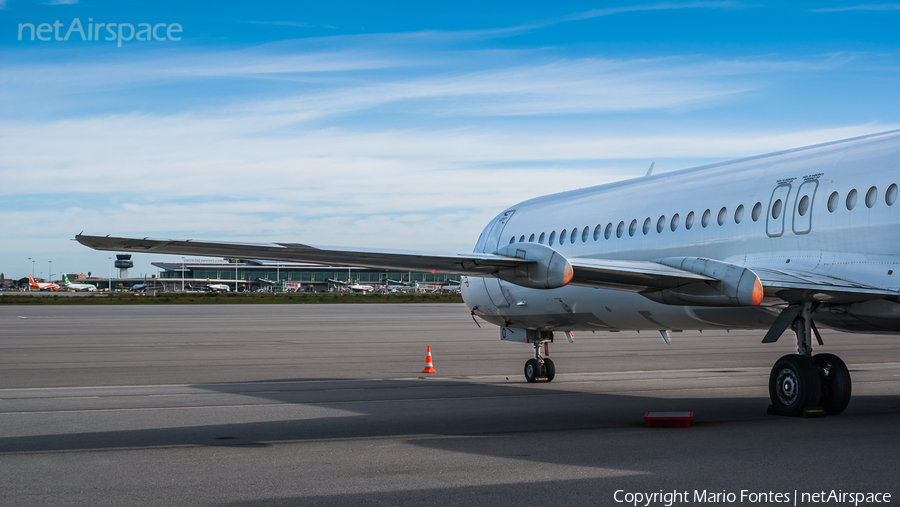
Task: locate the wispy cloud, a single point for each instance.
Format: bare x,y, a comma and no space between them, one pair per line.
288,23
664,6
863,7
511,31
338,80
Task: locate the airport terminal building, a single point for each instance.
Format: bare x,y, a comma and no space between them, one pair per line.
251,275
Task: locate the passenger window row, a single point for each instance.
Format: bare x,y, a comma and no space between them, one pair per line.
673,223
890,197
571,236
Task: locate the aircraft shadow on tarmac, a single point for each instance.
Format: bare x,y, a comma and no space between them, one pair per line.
467,411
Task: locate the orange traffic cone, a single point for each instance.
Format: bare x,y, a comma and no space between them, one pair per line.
429,368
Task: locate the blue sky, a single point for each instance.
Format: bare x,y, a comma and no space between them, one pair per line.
400,124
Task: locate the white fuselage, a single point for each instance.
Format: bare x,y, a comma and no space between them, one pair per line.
81,287
709,212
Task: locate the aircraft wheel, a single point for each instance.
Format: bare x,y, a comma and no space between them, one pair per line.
532,370
794,385
549,369
835,383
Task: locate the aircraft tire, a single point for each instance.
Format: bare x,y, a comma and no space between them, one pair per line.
836,385
794,385
549,369
532,370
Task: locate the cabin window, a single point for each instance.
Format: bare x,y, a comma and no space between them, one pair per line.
757,211
833,202
562,237
704,220
890,197
723,213
574,235
661,224
597,232
552,237
584,234
522,238
739,214
676,220
851,199
646,227
620,229
608,231
803,205
776,208
531,238
633,227
541,239
871,197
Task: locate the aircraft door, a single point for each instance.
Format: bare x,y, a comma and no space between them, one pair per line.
491,244
777,210
803,206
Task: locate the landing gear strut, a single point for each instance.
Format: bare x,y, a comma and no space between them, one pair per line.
803,384
540,368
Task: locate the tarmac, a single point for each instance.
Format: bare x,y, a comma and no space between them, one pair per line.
265,405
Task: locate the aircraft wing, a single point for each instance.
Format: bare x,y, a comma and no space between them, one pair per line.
620,275
674,281
451,264
680,280
797,286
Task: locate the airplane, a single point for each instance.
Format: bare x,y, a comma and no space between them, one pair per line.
790,240
78,286
352,287
356,287
42,285
217,287
450,288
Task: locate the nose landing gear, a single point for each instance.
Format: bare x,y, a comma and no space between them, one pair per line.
539,368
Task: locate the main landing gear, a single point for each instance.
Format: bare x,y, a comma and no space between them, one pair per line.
804,384
540,368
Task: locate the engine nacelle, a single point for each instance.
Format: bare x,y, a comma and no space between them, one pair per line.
733,285
547,268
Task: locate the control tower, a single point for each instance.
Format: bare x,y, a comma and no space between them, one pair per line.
123,262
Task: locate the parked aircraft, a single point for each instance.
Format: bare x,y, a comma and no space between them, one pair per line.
217,287
352,287
772,242
78,286
42,285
